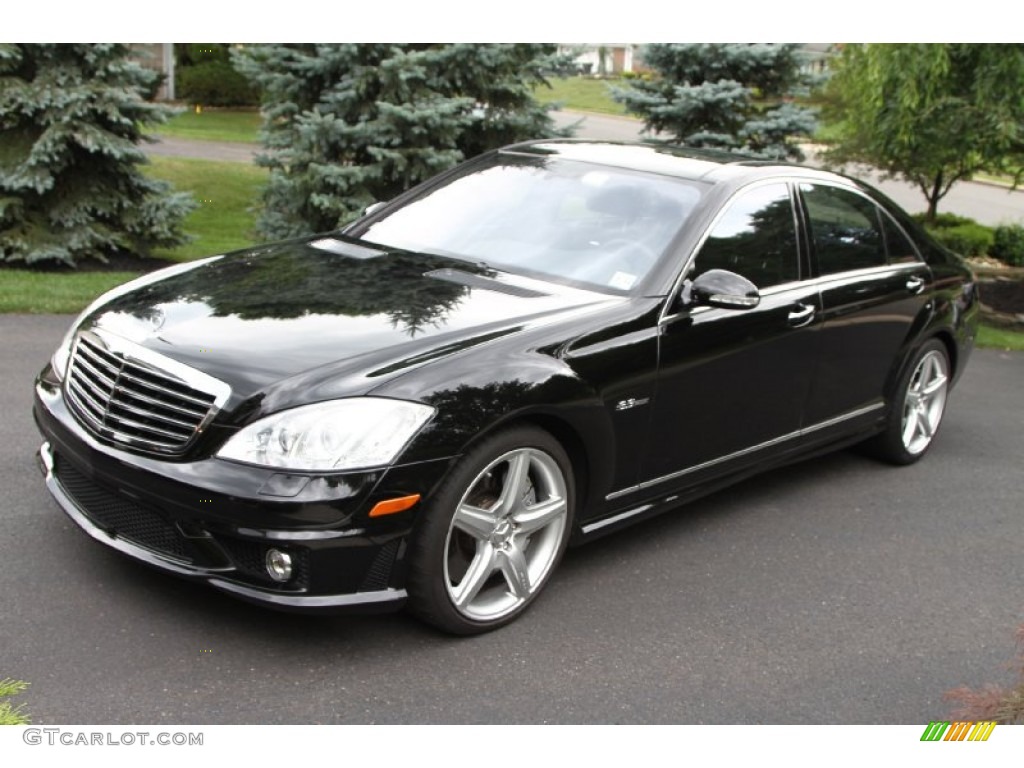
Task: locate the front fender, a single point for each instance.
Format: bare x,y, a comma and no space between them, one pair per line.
496,390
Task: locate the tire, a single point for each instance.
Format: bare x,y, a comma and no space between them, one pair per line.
493,533
918,407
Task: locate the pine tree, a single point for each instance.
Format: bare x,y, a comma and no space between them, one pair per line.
71,119
723,96
348,125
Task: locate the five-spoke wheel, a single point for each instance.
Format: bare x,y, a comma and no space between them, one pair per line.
918,406
925,401
494,532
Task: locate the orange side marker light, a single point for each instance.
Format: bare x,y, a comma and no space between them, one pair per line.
391,506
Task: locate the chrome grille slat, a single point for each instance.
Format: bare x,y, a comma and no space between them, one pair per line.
157,388
124,406
97,409
151,443
193,412
132,396
113,420
100,355
105,379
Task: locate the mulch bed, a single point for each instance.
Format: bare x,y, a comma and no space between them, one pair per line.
1005,297
119,263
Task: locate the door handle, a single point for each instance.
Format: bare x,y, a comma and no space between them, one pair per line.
915,284
801,314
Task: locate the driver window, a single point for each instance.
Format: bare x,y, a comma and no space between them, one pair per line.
756,238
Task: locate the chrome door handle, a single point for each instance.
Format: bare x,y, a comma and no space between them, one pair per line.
801,314
915,284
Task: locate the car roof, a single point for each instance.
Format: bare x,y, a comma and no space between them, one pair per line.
670,160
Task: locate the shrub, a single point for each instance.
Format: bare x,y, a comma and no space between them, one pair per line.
943,220
993,702
10,715
1008,245
215,83
966,239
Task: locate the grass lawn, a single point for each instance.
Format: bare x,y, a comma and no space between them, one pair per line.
213,125
582,93
222,222
1000,338
224,191
44,293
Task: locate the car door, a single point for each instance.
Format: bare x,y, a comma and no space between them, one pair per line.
733,382
873,290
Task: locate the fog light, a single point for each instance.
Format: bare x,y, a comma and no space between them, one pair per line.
279,565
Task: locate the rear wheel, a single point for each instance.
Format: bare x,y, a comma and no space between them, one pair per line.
493,534
919,407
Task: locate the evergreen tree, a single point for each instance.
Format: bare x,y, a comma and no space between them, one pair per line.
723,96
71,119
347,125
933,114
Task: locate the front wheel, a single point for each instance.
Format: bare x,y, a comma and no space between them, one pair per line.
493,533
920,404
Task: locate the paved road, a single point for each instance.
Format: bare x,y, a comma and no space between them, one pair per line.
989,204
835,591
234,151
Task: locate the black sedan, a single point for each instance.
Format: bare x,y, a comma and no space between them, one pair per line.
536,348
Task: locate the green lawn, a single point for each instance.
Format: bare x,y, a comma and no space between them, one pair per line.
584,94
214,125
43,293
222,222
224,191
1000,338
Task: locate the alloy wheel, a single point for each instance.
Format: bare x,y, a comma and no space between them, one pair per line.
506,534
925,402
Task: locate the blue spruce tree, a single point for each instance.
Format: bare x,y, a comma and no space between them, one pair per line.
71,120
723,96
347,125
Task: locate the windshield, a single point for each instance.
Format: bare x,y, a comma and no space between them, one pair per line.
562,220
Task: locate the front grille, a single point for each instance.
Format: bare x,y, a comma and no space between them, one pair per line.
132,401
120,516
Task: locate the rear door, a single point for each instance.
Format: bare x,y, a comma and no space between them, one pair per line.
874,288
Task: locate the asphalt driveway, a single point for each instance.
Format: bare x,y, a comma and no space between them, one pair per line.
837,591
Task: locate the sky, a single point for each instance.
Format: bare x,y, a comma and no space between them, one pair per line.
521,21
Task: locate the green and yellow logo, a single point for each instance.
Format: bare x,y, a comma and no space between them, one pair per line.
965,731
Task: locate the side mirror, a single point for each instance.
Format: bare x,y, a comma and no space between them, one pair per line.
374,207
724,289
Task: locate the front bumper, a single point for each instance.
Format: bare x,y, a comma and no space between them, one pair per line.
214,521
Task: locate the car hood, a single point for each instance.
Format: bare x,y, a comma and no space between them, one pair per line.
270,319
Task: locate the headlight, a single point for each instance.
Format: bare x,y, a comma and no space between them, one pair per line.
339,434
